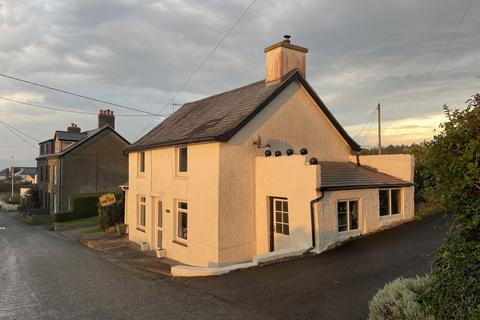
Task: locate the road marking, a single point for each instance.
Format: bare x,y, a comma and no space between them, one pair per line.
2,228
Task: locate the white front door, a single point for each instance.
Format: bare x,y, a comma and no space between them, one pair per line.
280,228
159,225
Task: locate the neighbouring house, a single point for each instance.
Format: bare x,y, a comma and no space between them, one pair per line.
23,174
4,174
76,162
263,169
27,174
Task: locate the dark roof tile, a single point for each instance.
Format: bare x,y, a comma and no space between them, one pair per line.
347,175
220,116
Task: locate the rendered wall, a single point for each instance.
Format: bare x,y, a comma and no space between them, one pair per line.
291,120
198,187
292,178
369,217
397,165
95,166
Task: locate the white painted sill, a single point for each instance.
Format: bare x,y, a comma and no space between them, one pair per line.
349,233
391,216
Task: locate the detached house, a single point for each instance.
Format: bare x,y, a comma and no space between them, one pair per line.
259,170
76,162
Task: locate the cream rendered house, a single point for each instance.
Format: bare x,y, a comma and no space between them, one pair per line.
263,169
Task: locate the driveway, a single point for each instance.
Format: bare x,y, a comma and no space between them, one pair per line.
43,275
336,284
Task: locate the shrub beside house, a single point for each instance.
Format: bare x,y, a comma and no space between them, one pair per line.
451,176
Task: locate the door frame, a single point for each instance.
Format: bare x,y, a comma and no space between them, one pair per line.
155,228
271,214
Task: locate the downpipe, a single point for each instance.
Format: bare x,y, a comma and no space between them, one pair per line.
312,221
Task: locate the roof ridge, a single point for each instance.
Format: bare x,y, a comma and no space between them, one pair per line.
225,92
281,80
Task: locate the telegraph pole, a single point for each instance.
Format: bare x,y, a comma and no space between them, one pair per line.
12,172
379,131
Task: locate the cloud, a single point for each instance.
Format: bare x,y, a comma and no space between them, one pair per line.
138,53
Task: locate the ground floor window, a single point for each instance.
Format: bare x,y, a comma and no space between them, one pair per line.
142,211
390,201
281,216
182,220
347,213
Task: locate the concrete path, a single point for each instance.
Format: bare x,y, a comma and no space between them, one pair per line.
44,275
127,252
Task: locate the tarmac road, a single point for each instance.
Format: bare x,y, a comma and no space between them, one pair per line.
44,275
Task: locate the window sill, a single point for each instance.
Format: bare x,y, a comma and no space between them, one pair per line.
140,229
181,176
391,216
349,233
180,243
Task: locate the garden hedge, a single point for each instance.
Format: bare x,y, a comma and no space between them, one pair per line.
83,206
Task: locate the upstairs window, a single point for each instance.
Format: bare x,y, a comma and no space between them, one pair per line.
390,202
182,159
141,162
347,213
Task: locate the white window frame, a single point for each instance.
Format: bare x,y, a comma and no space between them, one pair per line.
178,160
349,229
400,207
179,210
284,224
141,156
141,203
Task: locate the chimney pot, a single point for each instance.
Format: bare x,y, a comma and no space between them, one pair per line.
73,128
106,117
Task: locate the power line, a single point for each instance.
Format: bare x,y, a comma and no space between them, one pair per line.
213,50
372,116
427,79
74,111
204,60
76,94
21,132
19,136
366,134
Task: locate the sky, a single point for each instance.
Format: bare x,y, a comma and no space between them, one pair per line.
139,53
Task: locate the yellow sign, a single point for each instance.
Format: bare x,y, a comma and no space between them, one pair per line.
107,199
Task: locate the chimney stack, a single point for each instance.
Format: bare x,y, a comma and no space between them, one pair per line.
282,57
73,128
106,117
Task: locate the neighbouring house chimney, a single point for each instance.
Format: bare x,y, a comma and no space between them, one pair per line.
106,117
283,57
73,128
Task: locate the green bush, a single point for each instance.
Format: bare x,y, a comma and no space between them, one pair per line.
401,299
455,291
83,206
112,215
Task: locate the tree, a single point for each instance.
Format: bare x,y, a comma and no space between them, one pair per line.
452,180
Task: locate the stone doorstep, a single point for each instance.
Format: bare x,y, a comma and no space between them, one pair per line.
127,252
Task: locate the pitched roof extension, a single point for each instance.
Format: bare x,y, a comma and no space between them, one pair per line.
347,175
221,116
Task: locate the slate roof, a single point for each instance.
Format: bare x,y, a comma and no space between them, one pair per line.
347,175
219,117
86,136
70,136
30,171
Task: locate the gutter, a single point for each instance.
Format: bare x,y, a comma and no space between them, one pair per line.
312,221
